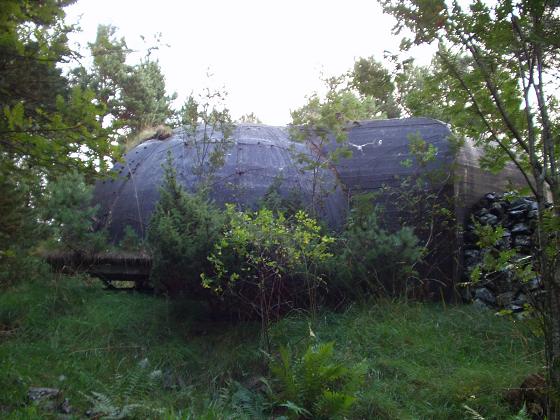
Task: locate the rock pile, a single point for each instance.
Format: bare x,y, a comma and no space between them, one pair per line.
501,289
50,400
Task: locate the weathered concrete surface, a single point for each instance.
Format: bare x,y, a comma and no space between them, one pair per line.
258,156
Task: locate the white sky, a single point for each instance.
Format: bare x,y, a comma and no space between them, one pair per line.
267,54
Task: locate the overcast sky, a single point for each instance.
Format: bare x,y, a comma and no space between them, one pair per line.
267,54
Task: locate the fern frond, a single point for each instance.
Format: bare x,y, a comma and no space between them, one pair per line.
333,404
521,414
315,382
296,409
284,373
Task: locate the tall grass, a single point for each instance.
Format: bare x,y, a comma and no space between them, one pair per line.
169,359
426,361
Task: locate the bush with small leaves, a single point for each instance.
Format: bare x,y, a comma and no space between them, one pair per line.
266,263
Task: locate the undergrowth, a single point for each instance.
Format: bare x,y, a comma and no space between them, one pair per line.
137,356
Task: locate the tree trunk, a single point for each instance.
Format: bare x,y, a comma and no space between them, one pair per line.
551,277
552,324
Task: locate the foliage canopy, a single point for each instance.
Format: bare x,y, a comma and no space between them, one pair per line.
48,125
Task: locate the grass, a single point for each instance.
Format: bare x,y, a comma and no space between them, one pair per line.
163,359
160,132
427,362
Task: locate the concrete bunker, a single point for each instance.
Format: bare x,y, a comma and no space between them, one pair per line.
259,155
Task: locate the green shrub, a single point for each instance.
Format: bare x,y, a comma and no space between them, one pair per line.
16,214
273,199
314,385
181,235
17,266
67,211
266,264
371,259
131,241
20,230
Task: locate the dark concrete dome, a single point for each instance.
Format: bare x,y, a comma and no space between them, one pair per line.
258,156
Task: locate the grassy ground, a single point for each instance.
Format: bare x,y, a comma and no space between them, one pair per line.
161,359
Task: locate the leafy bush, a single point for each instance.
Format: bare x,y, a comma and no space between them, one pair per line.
182,233
314,385
497,259
372,260
274,200
17,265
266,263
424,199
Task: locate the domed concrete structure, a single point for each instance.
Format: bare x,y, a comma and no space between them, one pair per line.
260,157
257,159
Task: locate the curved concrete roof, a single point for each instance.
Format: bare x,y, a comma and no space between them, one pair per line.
258,156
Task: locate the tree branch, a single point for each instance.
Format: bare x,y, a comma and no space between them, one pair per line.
546,137
41,130
510,154
527,81
475,53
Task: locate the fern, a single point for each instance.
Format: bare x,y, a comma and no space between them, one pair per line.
315,385
105,408
130,383
521,414
247,404
472,413
332,402
126,395
285,374
475,415
295,409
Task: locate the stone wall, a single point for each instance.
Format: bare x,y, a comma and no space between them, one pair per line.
502,289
